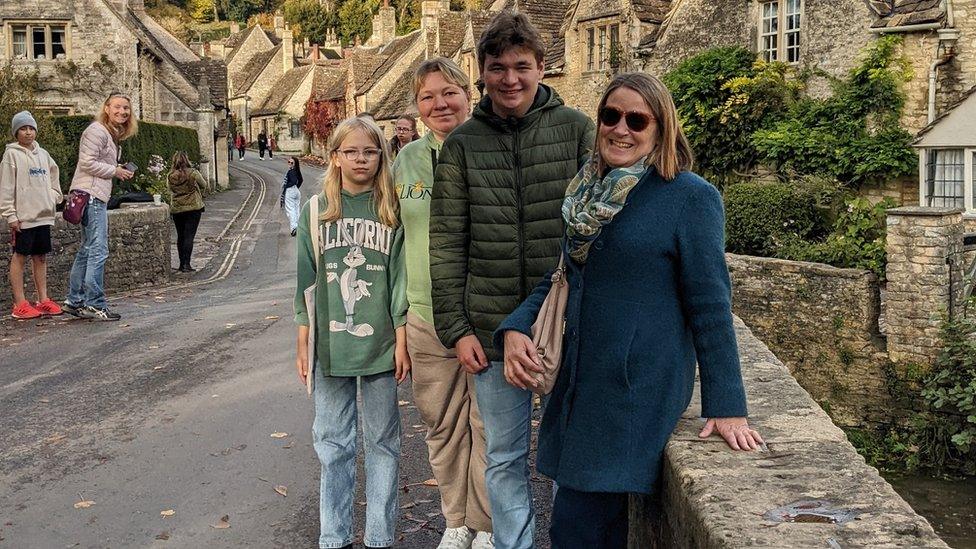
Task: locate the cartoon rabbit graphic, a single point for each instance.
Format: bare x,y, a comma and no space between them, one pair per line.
352,290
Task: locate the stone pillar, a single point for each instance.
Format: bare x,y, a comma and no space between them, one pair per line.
924,260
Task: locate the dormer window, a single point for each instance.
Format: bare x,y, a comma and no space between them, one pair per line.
38,41
602,46
779,31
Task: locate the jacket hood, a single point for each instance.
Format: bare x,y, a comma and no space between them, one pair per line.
546,99
22,149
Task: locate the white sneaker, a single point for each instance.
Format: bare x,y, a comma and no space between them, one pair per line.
456,538
483,540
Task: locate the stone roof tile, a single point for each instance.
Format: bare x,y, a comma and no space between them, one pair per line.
254,67
283,90
907,12
399,99
451,27
651,11
392,53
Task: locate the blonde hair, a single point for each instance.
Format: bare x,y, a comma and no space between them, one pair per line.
671,154
448,69
385,202
119,133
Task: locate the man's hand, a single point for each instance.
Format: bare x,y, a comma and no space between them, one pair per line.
521,361
471,354
14,225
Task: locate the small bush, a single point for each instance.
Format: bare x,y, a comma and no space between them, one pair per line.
758,215
152,140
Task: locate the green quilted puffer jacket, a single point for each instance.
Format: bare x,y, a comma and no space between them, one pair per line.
495,221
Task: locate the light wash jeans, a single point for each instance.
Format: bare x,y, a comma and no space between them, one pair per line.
334,438
85,285
507,413
293,206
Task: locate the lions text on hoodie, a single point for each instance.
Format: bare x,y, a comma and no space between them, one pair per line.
29,187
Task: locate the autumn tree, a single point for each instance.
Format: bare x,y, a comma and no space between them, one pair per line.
310,19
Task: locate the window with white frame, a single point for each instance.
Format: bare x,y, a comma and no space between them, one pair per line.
295,129
945,178
779,30
38,40
602,47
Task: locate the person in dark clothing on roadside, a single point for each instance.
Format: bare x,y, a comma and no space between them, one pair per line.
495,228
291,198
262,144
186,187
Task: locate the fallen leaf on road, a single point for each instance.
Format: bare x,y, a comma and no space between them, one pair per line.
430,482
229,325
283,490
535,422
360,503
154,346
223,523
433,514
279,435
214,396
416,426
408,505
262,479
55,438
162,536
126,326
44,400
289,445
272,317
158,367
167,513
403,402
419,501
408,435
84,504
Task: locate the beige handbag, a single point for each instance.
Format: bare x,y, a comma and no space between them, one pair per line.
313,221
547,330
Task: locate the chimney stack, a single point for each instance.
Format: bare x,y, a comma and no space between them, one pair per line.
384,26
287,49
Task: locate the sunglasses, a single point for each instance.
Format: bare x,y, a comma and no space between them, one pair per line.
636,121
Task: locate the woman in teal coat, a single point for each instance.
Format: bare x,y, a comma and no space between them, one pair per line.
649,296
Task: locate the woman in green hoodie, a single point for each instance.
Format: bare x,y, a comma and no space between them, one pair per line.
360,311
443,391
186,187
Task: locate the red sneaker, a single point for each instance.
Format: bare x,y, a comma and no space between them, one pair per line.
25,310
48,308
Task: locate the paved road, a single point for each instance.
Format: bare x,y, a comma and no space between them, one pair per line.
173,408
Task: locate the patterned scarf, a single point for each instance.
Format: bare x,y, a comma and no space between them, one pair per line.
592,202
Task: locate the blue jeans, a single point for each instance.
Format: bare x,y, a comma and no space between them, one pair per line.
85,285
507,413
334,438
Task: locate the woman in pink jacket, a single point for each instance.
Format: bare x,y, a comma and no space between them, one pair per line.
98,162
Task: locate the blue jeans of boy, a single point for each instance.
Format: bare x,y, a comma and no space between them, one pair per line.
507,413
85,284
334,438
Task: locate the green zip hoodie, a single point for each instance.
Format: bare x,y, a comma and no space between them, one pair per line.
360,297
413,173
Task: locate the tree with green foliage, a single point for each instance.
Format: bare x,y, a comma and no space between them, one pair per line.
310,19
723,96
242,10
202,11
356,19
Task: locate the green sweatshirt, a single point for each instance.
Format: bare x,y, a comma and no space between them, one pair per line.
413,173
361,288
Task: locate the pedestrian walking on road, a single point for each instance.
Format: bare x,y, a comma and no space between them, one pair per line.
99,156
494,231
272,143
29,194
360,311
186,187
291,197
443,391
262,144
241,144
406,132
230,148
652,299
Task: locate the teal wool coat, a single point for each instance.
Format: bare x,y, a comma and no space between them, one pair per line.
653,297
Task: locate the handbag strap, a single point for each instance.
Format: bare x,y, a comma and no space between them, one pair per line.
313,221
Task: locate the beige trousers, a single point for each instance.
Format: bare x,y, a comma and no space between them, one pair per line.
444,394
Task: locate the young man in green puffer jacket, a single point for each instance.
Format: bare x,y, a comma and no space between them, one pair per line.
495,229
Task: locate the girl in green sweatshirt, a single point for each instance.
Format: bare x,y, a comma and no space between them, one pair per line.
360,312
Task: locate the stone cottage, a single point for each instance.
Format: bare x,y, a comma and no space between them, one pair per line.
84,49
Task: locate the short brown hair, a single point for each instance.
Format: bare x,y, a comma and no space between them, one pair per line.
672,153
506,31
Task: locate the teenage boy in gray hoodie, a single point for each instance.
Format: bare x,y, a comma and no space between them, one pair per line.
29,194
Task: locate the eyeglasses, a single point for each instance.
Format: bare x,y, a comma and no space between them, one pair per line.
636,121
354,154
403,130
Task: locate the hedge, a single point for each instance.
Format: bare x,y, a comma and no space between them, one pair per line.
758,215
152,139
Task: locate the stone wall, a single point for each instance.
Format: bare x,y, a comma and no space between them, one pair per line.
903,191
139,253
822,322
716,498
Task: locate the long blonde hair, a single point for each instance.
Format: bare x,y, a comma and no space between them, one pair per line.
385,202
119,133
672,153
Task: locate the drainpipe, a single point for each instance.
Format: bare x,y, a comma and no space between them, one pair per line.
937,61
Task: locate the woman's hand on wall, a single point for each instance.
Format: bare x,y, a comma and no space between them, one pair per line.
735,431
471,354
521,360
